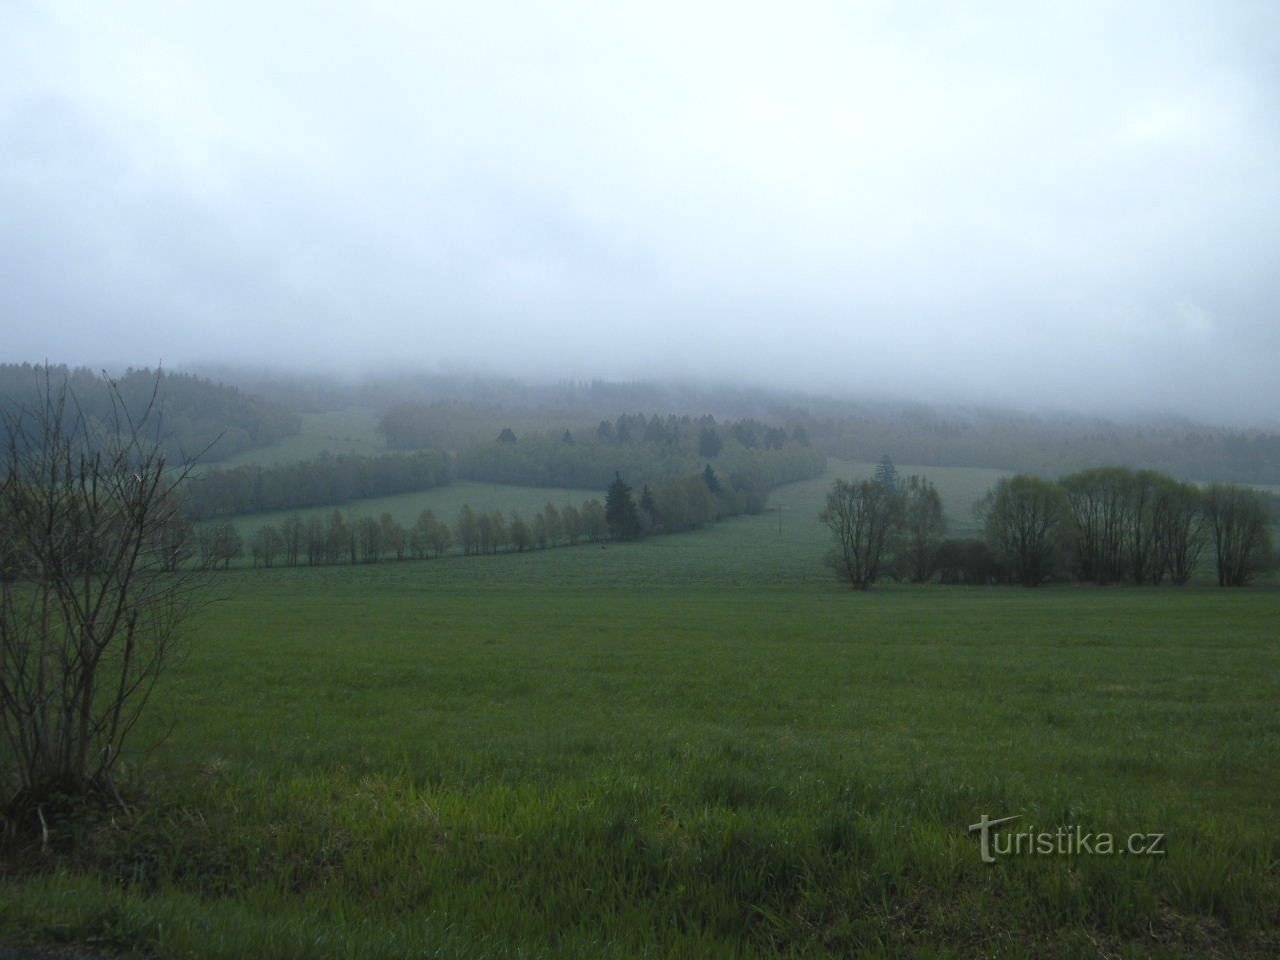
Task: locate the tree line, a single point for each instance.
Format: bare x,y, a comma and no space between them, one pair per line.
672,506
1102,525
322,481
343,538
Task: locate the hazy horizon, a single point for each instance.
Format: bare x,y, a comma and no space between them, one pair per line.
1047,209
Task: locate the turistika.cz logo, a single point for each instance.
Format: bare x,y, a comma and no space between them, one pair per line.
1065,841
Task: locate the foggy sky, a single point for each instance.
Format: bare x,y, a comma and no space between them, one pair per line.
1072,206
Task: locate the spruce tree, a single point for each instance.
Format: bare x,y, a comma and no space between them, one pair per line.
620,511
648,504
709,478
886,474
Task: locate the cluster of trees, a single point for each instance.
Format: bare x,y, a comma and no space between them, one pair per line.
679,503
1132,526
1110,524
887,525
1102,525
322,481
187,415
647,450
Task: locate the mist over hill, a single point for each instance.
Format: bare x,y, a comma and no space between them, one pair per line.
1048,442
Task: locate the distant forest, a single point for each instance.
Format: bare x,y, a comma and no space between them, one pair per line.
197,416
454,410
754,455
322,481
1050,446
753,458
777,436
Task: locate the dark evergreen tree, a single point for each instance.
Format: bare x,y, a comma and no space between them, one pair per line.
709,442
886,474
620,511
709,478
507,435
647,503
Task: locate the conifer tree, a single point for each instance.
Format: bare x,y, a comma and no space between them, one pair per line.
620,511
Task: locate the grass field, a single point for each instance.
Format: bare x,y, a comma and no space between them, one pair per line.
697,745
352,430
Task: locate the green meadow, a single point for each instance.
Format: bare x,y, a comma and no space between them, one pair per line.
697,745
353,430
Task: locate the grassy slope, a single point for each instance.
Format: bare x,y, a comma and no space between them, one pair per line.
337,431
695,745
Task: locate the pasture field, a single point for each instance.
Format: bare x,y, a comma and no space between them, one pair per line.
352,430
696,745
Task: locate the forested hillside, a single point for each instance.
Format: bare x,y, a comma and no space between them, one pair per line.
1045,445
192,416
451,411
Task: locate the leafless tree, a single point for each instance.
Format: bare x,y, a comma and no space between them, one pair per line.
96,586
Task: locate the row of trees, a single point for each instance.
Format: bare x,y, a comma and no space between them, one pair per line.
884,526
675,505
323,481
1111,524
341,538
552,526
1103,525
